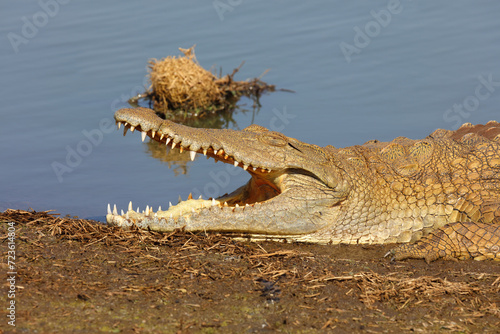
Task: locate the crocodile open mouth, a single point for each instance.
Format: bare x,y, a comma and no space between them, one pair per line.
265,183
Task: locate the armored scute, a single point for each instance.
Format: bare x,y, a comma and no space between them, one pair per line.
439,196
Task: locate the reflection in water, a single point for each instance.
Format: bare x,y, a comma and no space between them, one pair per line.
178,161
175,160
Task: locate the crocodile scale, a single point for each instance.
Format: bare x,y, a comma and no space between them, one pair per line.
439,196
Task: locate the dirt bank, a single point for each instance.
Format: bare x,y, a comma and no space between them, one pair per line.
79,276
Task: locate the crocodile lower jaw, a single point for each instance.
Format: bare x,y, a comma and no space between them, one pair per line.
178,214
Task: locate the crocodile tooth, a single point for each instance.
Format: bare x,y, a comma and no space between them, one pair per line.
156,215
168,140
254,169
143,135
147,210
204,151
225,204
125,129
119,125
192,155
122,213
181,149
159,208
262,170
216,151
201,197
109,209
153,133
236,164
132,128
237,205
137,210
269,170
245,167
173,144
221,151
190,196
115,212
161,136
180,199
169,205
208,157
130,206
226,156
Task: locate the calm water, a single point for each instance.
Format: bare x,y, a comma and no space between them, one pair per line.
360,70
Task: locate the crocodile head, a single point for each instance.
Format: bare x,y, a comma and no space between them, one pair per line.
294,188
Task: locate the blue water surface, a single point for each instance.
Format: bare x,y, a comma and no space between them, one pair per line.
360,70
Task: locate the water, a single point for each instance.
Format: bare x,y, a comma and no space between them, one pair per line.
67,77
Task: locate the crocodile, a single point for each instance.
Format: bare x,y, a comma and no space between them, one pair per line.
438,197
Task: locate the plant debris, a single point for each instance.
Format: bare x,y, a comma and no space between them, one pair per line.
180,86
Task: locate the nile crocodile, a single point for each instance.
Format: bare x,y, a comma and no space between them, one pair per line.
440,196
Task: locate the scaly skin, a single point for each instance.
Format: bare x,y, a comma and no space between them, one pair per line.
439,195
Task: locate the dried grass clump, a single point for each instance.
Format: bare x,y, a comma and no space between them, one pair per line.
404,289
180,82
181,87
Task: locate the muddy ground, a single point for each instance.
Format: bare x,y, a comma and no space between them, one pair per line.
80,276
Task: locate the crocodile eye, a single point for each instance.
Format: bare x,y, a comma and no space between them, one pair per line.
274,139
